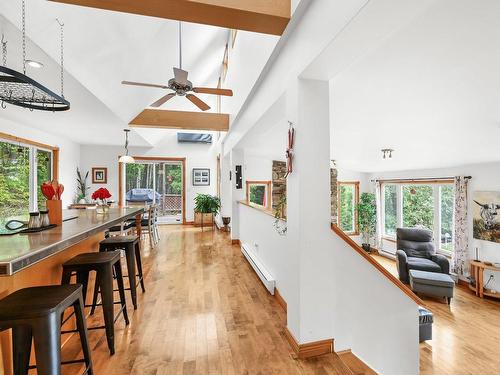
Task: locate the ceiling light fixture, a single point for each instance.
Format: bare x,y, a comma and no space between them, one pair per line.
387,153
34,64
126,159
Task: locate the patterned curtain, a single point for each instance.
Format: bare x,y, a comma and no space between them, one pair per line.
378,201
460,256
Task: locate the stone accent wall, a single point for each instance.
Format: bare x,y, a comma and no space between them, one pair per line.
279,181
333,194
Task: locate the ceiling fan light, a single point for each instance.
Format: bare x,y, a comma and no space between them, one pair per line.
126,159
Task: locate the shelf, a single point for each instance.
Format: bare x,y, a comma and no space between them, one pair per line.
493,295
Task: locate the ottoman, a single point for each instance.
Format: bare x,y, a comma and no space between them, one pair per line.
425,320
432,283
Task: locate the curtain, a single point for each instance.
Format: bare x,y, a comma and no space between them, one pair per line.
461,254
378,201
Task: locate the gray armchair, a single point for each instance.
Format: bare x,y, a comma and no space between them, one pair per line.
416,251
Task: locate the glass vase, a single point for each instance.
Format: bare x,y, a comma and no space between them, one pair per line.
102,207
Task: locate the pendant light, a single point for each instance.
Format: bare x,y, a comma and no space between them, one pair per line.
126,158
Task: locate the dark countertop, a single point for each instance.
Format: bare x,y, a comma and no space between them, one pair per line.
19,251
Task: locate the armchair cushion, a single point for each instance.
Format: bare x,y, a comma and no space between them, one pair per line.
443,262
402,266
423,264
415,242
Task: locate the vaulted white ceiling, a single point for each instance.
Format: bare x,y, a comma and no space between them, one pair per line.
430,90
102,48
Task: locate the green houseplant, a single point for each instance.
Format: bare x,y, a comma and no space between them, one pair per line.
82,187
367,218
206,206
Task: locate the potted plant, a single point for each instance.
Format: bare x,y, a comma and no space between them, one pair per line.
367,218
81,187
205,208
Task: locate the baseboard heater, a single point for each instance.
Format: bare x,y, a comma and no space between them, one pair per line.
259,268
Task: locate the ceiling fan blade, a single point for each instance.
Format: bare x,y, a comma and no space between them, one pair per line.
208,90
180,76
163,99
198,102
143,84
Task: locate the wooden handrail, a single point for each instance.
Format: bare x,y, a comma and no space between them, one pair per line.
377,265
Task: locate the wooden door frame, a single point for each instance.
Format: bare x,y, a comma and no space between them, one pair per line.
121,200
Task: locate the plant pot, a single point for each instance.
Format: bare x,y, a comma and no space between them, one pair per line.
366,247
208,219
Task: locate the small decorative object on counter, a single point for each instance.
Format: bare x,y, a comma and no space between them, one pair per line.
34,220
44,218
52,190
101,197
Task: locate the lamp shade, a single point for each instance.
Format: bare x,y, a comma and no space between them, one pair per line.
126,159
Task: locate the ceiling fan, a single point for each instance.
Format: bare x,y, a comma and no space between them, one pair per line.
181,86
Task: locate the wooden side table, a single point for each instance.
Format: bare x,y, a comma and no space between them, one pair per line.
477,270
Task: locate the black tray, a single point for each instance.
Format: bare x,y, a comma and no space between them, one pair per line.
35,230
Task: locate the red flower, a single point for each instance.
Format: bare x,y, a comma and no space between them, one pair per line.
101,193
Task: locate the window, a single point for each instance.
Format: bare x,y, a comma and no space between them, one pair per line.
23,167
259,193
423,204
390,210
348,198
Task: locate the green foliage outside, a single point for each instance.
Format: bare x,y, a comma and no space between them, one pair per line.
367,216
140,175
447,206
390,204
418,206
257,194
347,208
43,169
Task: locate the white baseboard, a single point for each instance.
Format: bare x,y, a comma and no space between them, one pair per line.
261,271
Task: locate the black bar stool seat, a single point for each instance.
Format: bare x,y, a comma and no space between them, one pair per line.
36,313
132,247
103,264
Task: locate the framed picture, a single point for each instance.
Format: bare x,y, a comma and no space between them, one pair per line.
99,175
485,207
201,177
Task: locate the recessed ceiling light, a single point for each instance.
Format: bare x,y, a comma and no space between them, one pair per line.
34,64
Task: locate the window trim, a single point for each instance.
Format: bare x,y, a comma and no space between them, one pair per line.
268,185
437,183
356,201
33,146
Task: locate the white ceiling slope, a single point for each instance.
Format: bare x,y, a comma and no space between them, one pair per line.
102,48
430,90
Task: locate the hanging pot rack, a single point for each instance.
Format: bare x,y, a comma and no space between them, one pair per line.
18,89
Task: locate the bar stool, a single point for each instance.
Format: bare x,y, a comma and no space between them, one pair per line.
131,246
35,313
103,264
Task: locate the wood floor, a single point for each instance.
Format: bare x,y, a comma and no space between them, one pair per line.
204,312
466,334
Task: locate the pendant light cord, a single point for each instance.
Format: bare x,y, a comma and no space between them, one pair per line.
24,35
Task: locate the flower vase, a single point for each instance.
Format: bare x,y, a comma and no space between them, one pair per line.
102,207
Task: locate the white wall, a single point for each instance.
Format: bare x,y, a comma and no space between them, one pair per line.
69,154
197,156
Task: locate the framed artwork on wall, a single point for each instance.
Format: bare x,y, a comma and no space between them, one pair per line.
201,177
99,175
485,207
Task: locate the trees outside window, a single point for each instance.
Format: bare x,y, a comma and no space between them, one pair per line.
348,198
390,210
259,193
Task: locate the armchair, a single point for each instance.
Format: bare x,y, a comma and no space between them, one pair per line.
416,250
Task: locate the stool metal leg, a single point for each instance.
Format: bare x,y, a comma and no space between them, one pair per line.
121,290
47,337
96,292
139,265
21,344
82,277
82,330
106,287
130,255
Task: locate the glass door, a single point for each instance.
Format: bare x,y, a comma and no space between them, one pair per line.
159,182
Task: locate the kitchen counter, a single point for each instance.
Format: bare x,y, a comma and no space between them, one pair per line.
20,251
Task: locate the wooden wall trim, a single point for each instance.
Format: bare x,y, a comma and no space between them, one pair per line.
235,241
398,283
263,210
269,194
15,139
310,349
279,298
121,200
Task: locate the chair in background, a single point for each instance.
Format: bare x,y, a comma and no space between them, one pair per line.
149,225
416,251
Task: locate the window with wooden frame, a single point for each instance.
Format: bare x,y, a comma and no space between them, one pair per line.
348,198
24,166
259,193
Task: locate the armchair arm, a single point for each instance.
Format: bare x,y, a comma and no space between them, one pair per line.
402,266
443,262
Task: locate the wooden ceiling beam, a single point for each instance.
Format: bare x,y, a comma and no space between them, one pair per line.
262,16
163,119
